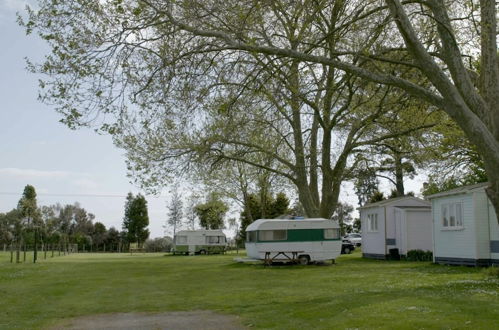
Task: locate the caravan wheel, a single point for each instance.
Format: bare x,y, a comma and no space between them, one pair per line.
303,260
202,252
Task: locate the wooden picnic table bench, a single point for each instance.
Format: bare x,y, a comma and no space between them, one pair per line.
287,256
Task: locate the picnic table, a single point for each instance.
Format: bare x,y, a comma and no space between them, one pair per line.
286,256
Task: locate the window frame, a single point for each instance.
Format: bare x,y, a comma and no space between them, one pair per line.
372,218
181,243
273,239
451,216
252,236
337,235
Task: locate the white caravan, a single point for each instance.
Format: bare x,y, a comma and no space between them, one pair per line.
306,240
201,241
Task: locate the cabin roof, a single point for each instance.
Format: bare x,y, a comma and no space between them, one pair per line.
460,190
394,201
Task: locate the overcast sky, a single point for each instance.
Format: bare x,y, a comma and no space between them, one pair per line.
60,163
36,149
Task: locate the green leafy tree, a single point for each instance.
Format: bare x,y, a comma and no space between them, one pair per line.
279,206
343,215
136,219
377,196
212,213
99,234
10,226
29,211
112,238
28,207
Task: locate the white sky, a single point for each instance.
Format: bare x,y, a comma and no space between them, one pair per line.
36,149
62,164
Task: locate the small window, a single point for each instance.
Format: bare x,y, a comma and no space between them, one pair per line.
251,236
445,215
452,215
221,239
333,233
213,239
272,235
181,240
372,222
459,215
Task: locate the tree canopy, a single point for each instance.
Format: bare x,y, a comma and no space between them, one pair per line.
301,82
136,218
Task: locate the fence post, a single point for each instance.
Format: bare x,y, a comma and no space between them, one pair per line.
11,253
24,252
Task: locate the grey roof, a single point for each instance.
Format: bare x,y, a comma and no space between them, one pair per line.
414,207
389,201
460,190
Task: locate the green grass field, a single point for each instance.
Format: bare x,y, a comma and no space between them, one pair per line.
354,293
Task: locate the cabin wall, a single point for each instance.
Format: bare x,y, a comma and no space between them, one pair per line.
373,242
419,230
493,235
454,244
482,230
391,227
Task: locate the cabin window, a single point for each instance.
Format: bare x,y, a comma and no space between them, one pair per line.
215,239
272,235
181,240
452,215
372,222
251,236
333,233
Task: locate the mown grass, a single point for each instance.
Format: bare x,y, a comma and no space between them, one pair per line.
354,293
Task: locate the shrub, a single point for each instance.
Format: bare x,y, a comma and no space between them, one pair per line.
492,272
158,244
419,255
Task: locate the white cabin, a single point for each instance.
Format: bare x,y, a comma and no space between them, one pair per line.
402,223
306,240
465,227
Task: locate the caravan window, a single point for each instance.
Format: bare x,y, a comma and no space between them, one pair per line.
214,239
272,235
251,236
452,215
333,233
181,240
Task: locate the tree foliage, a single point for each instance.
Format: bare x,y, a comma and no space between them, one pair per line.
322,69
212,213
254,209
136,219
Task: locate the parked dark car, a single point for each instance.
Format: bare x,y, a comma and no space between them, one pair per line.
347,247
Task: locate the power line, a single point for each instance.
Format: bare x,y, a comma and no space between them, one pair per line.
75,195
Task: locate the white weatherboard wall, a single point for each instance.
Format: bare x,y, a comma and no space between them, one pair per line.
454,243
393,228
477,241
419,225
493,234
373,242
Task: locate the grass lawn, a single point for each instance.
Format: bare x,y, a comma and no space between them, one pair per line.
354,293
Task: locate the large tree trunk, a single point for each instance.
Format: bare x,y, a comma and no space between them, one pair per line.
304,195
399,174
476,113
